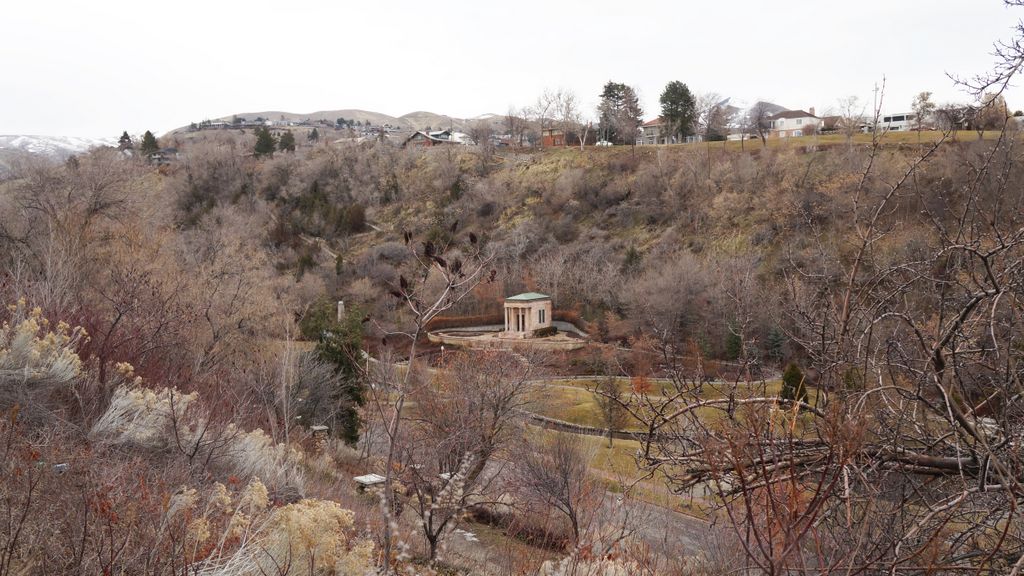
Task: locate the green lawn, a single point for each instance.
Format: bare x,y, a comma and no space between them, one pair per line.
616,469
572,400
890,138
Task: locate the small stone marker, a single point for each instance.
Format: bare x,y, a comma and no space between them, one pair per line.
319,438
368,481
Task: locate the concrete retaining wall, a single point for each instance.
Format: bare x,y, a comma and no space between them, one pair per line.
563,426
498,343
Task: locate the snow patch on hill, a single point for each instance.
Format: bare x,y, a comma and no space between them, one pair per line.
53,146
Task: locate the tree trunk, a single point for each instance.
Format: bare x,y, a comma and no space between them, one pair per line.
432,541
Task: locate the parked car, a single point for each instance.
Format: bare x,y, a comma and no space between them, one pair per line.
603,143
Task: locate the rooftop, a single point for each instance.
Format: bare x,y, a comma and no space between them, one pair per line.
527,296
792,114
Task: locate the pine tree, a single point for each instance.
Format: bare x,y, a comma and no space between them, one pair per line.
287,142
265,142
149,144
733,345
124,142
611,103
631,262
774,343
793,387
678,109
338,343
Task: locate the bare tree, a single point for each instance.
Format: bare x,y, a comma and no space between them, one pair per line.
482,132
545,110
515,124
712,119
924,109
952,117
608,396
554,473
991,114
851,116
468,414
571,118
756,121
439,276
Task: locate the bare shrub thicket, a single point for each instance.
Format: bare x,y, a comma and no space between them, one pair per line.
904,456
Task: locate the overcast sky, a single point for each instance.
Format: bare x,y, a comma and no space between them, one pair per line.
96,68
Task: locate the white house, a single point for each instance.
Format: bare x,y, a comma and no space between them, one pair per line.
654,132
900,122
791,123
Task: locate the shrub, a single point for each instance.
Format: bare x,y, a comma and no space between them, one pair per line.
447,322
314,535
487,209
255,455
168,421
146,419
36,359
572,317
339,344
354,219
793,387
545,332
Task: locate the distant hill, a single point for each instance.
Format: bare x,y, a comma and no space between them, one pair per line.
770,107
419,120
55,147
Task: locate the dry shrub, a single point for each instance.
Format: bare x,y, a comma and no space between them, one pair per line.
167,421
36,361
314,537
142,418
255,455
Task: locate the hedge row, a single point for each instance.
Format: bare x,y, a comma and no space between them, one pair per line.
449,322
545,331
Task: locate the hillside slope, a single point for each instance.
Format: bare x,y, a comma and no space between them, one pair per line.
418,120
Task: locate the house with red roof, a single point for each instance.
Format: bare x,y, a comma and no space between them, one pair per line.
654,132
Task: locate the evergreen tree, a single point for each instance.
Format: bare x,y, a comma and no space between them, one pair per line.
619,113
313,136
678,109
630,117
793,387
733,345
124,142
287,142
612,98
265,142
149,144
631,263
774,342
339,343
